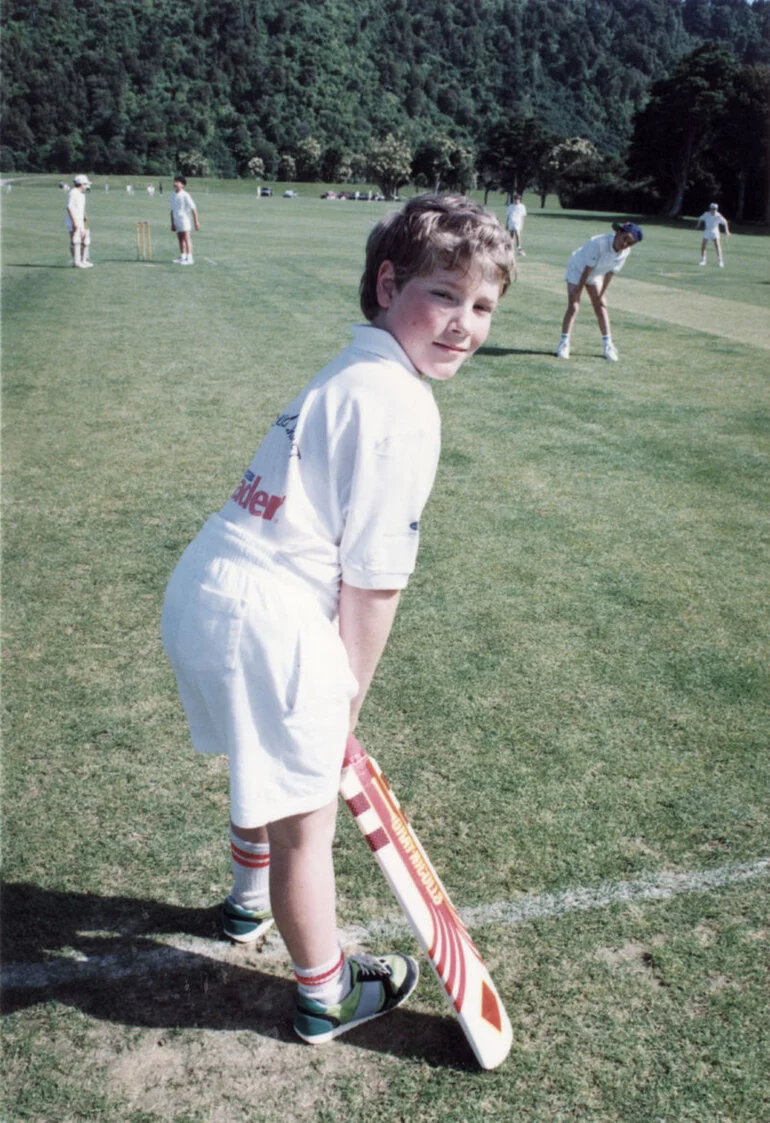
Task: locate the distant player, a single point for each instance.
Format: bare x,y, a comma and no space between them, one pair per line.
183,217
514,221
712,220
277,614
592,267
77,223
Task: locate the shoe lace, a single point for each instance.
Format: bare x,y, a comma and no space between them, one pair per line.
369,967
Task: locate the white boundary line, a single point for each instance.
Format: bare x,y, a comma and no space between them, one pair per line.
172,953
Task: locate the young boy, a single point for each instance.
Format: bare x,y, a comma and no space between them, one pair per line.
183,217
77,222
277,614
593,266
712,220
514,221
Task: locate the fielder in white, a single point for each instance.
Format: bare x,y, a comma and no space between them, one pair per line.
183,217
592,267
77,223
515,214
277,614
712,220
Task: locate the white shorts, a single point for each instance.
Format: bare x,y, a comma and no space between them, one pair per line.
574,278
711,237
262,674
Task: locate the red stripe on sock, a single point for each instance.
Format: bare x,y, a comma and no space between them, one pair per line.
250,861
319,980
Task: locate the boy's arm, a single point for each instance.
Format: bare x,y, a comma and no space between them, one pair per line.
366,617
196,224
606,283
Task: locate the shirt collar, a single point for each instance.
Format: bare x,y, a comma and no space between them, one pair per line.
381,343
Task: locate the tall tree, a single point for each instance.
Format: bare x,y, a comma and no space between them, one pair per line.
683,116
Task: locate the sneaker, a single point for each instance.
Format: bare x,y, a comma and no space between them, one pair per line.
379,985
242,925
521,253
610,353
562,351
178,261
702,261
721,264
187,261
86,265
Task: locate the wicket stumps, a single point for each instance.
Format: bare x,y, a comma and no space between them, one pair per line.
143,242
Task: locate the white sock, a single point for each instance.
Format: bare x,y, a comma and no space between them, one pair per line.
564,338
607,340
251,873
328,984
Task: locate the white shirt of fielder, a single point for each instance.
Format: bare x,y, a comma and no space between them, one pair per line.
182,207
515,215
76,209
597,253
712,220
337,487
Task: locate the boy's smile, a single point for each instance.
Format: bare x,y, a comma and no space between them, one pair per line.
439,319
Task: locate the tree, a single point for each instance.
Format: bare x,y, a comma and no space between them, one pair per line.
743,146
256,167
442,162
569,165
511,154
390,163
684,114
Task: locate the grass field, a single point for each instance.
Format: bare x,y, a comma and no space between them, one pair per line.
573,707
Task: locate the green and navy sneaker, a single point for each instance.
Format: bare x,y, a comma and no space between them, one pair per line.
379,985
243,925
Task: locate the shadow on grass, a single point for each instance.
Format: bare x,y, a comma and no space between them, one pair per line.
98,955
496,352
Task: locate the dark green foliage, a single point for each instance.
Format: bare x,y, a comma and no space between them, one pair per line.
127,86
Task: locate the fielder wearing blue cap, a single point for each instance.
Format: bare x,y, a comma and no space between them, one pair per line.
592,267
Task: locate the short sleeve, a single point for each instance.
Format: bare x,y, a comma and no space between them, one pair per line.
391,482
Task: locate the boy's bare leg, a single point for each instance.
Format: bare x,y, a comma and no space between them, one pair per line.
302,890
573,303
599,302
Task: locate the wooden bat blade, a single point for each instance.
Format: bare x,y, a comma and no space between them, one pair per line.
432,917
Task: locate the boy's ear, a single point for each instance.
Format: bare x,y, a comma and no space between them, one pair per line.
386,284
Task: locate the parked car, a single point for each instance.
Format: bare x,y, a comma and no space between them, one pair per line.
266,191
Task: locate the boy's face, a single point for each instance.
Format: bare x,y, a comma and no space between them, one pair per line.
623,241
440,318
178,186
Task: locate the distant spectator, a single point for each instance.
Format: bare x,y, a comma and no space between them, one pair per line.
514,221
183,217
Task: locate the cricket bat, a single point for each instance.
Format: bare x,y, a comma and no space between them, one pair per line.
426,905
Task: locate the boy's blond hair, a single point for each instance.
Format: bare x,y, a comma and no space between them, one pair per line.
435,232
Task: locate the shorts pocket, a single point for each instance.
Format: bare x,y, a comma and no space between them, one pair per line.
322,674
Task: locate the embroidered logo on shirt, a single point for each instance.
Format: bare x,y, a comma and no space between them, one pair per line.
258,503
414,526
288,423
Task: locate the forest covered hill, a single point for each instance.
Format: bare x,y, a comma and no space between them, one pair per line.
128,86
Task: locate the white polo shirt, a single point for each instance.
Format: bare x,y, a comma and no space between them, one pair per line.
515,215
337,487
711,222
182,207
599,254
76,206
